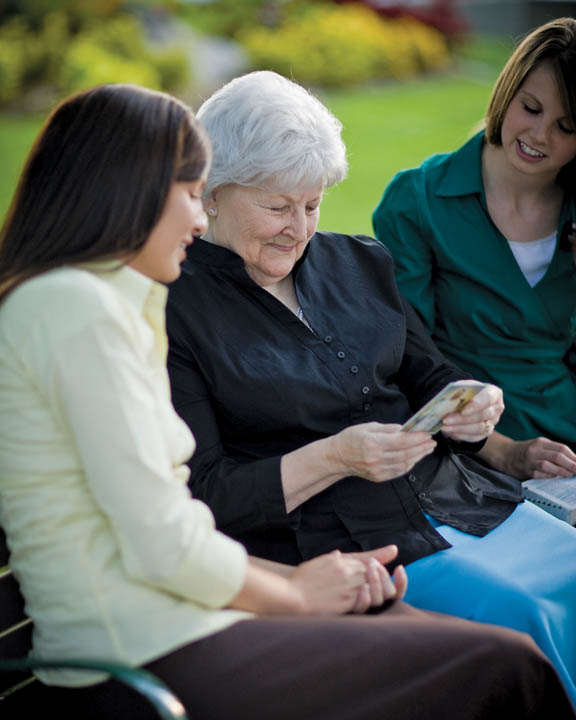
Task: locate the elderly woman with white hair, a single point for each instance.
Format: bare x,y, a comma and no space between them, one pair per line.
295,360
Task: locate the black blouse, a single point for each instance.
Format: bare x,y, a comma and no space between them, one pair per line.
253,382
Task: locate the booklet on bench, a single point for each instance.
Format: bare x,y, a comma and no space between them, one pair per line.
555,495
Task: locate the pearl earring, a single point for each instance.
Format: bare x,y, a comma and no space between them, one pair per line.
211,211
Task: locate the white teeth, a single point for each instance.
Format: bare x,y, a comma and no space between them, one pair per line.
530,151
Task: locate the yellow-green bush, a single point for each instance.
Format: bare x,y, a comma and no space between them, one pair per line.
87,64
29,58
346,45
10,71
65,60
115,51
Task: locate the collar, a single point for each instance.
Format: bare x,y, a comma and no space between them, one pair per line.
463,170
206,253
463,176
141,291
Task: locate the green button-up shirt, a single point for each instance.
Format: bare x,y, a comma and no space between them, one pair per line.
458,270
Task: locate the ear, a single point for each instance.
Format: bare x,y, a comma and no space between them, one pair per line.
210,204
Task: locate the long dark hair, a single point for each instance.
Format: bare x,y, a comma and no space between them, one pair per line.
96,181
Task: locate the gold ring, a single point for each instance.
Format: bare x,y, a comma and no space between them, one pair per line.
488,427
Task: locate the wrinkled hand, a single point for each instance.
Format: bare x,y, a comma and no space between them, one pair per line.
477,419
379,452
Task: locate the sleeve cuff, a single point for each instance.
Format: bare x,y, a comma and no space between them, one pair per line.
459,446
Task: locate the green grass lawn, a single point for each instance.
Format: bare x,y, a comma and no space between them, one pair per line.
395,127
16,137
386,128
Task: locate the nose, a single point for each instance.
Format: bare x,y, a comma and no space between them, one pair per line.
297,224
540,130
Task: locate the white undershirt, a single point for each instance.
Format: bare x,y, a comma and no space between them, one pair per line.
534,256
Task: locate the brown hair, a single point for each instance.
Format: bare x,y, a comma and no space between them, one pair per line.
96,181
555,43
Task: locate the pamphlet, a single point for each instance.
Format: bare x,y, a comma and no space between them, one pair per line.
555,495
450,399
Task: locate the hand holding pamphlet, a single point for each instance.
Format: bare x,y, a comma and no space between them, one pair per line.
450,399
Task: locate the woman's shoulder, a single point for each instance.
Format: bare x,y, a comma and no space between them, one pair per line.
361,264
332,249
60,287
335,242
430,173
61,298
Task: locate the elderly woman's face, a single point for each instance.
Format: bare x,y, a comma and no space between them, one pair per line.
269,230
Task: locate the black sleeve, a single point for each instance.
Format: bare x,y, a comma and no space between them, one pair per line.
244,496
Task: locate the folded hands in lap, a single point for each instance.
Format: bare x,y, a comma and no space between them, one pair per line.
349,582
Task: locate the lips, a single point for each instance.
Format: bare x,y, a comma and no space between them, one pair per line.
530,151
282,248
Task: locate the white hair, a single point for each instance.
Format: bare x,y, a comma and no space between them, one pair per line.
267,131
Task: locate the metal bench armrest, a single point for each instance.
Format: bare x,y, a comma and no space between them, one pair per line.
153,689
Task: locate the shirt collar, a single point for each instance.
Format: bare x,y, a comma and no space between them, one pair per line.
463,175
208,253
213,255
141,291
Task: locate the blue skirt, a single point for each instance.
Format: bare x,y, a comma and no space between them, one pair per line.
521,575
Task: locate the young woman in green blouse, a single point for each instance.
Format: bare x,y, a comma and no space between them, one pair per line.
482,244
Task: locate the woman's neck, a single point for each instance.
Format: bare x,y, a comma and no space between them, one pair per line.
523,207
518,189
284,291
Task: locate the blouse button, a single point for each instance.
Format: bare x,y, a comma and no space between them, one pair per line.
354,369
341,354
328,339
412,478
366,406
365,390
422,496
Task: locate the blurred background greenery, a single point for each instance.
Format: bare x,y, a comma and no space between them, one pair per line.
403,88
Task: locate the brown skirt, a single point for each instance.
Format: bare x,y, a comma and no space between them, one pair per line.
402,664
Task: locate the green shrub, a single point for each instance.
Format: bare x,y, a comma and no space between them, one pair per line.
87,64
224,17
11,64
29,58
172,68
346,45
114,50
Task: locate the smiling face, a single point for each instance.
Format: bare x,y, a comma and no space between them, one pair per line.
537,134
182,218
268,230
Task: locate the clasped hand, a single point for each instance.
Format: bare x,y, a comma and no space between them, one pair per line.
349,582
